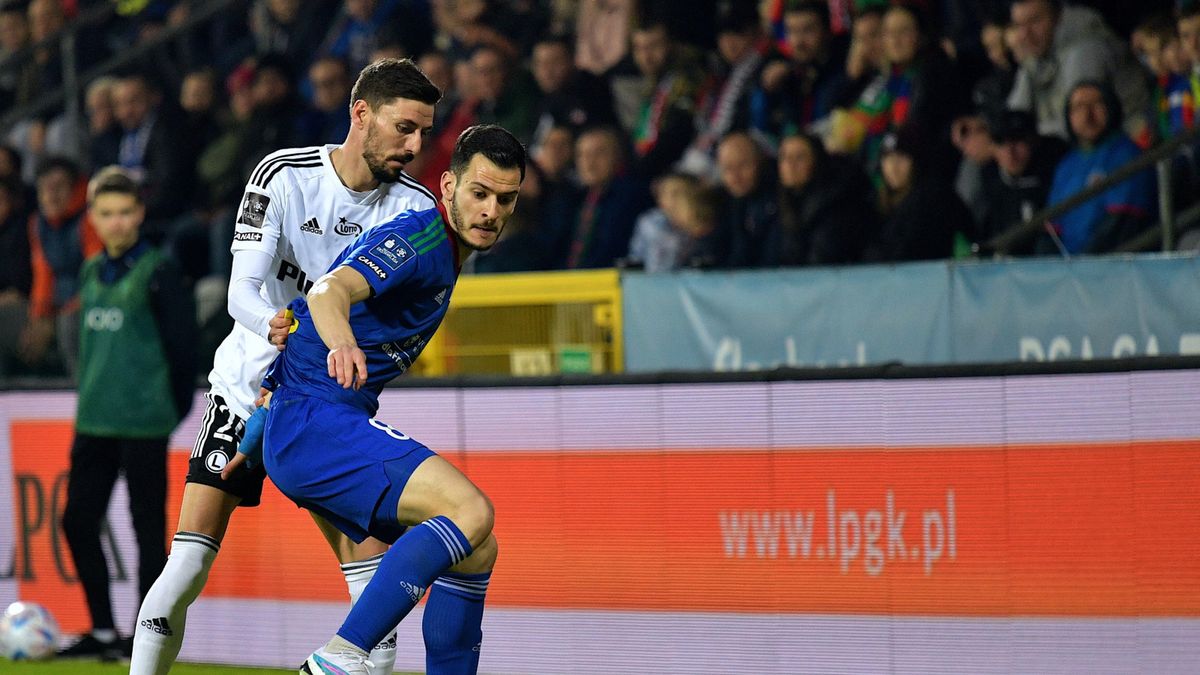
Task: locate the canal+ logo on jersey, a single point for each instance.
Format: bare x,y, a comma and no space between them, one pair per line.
394,252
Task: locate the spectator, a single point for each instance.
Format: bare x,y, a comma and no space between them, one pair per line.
549,176
493,99
198,101
150,149
43,72
724,99
1172,103
1058,47
990,93
823,218
601,216
505,97
1098,147
364,25
602,34
748,220
1017,183
325,121
919,91
274,118
60,238
908,195
16,274
280,27
866,58
104,134
677,232
440,71
970,136
566,95
665,124
1189,39
224,164
798,91
14,37
138,319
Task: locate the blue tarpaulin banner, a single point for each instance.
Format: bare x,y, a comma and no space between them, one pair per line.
918,313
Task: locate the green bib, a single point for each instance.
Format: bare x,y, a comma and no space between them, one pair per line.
124,381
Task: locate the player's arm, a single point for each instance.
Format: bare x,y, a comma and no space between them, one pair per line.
257,228
329,303
246,304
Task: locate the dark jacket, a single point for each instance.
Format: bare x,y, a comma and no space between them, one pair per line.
923,224
601,223
749,228
827,221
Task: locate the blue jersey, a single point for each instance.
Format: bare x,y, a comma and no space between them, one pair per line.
411,264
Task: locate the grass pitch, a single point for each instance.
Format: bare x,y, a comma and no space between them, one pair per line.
85,667
96,668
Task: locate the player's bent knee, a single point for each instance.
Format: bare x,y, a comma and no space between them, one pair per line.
483,559
475,516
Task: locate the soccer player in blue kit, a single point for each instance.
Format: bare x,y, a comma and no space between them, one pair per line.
360,326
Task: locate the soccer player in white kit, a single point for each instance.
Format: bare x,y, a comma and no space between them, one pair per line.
301,208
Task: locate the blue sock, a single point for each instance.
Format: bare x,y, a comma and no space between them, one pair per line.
407,569
453,623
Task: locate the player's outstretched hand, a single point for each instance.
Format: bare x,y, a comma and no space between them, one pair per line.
348,365
280,328
233,465
250,449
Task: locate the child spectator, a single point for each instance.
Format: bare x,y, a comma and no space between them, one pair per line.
674,233
136,370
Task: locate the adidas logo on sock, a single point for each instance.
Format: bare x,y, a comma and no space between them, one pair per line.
388,643
311,226
158,625
414,592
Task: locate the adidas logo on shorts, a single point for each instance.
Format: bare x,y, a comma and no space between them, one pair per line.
312,227
158,625
414,592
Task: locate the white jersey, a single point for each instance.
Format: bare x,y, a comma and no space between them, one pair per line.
297,210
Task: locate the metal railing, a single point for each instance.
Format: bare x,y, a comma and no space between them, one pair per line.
1160,156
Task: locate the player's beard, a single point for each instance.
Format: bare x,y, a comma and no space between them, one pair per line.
377,162
456,220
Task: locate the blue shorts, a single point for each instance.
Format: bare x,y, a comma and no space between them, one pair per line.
339,463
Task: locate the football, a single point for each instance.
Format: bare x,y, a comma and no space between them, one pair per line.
27,632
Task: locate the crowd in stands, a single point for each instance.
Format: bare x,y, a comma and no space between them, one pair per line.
665,134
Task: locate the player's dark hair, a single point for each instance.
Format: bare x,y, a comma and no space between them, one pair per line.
493,142
113,180
389,79
1188,10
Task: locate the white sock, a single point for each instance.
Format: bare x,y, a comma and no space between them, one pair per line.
358,574
160,622
105,635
